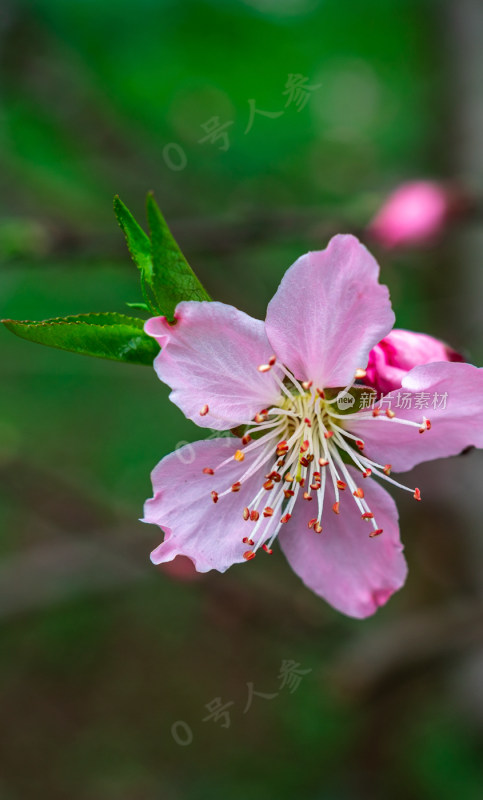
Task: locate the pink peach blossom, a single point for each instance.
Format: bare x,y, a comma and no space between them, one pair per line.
415,213
400,351
301,470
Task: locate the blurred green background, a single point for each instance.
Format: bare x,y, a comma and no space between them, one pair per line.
100,651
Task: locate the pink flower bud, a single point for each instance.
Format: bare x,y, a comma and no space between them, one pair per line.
400,351
413,214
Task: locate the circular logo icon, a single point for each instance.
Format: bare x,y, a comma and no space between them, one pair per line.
345,400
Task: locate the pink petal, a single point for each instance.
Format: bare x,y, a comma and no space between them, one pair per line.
352,572
328,313
211,357
453,428
399,352
209,533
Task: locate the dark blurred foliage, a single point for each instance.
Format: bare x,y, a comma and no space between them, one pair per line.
100,652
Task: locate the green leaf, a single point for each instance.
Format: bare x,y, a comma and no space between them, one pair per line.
142,306
172,278
166,277
136,239
139,246
105,335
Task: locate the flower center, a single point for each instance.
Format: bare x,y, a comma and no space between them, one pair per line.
303,442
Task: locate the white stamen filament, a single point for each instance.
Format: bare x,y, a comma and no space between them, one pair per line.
300,431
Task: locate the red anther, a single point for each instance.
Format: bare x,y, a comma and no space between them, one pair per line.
376,412
246,540
360,373
336,508
247,438
377,532
323,462
214,497
426,426
387,469
254,515
268,512
204,410
321,393
261,417
417,494
307,422
267,549
358,492
268,485
341,485
285,518
315,486
249,554
316,474
276,477
304,461
309,458
307,496
264,367
288,477
272,360
239,456
301,482
282,445
367,472
208,471
304,446
236,486
367,515
318,527
360,444
390,414
328,434
264,411
281,463
312,522
306,385
246,513
288,493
